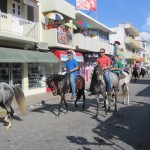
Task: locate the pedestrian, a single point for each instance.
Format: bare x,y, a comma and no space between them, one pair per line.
71,67
104,62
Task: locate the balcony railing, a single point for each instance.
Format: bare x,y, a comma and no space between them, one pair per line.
132,43
56,39
10,24
64,38
91,44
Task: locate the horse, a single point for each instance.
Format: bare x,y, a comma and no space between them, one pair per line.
7,93
60,85
99,87
123,83
142,72
135,73
117,82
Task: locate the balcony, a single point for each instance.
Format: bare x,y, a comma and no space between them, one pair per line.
15,28
132,43
60,6
91,44
131,29
54,39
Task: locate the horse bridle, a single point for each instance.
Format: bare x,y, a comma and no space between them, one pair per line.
54,86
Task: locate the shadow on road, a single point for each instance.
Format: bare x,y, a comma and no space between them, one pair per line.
129,126
145,92
140,81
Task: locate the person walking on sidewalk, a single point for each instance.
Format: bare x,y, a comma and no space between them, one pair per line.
71,67
105,62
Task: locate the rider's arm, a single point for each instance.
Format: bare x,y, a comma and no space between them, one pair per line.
75,65
76,68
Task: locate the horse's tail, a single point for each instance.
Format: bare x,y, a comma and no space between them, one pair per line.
20,98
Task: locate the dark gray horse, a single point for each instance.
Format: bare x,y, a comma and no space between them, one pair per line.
7,92
99,86
117,83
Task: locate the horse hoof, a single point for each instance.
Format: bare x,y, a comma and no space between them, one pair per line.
7,128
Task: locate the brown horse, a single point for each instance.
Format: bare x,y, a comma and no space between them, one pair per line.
60,85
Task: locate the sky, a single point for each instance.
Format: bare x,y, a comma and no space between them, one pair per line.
114,12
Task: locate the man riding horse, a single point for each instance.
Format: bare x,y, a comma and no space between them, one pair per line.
71,66
104,62
117,67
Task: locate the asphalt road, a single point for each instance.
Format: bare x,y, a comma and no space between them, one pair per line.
40,129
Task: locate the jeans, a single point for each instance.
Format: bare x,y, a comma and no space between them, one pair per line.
107,80
73,83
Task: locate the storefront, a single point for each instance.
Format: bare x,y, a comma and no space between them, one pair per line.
26,69
62,56
90,62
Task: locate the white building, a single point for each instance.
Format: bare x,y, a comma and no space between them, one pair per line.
125,34
145,50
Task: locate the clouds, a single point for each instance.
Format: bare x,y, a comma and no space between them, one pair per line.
146,28
146,36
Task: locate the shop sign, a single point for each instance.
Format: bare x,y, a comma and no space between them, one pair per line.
79,58
64,57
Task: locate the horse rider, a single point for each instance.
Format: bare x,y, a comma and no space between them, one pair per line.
117,66
71,67
105,62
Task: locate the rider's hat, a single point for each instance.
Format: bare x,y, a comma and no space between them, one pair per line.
69,53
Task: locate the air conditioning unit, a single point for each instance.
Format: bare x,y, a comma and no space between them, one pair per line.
42,46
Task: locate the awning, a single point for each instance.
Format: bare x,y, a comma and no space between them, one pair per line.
46,57
10,55
62,56
32,3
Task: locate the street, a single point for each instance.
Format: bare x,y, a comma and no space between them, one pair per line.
40,129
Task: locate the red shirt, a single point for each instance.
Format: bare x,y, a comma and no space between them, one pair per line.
103,61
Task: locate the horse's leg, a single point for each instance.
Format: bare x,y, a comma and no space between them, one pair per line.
97,110
6,117
123,90
78,97
10,113
83,99
128,94
115,99
60,105
66,104
106,103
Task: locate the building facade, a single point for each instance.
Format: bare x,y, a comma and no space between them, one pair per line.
125,34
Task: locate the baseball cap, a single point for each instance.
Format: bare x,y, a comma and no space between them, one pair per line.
70,53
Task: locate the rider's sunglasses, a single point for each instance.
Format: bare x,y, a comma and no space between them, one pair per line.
102,52
69,55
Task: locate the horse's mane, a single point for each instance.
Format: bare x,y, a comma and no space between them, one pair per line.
94,75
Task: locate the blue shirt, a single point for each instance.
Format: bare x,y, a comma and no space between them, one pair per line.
71,64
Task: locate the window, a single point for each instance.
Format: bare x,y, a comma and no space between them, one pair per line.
3,6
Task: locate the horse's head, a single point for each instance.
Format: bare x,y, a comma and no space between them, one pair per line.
52,84
98,73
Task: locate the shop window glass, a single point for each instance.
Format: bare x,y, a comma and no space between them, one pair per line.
17,74
4,72
36,75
